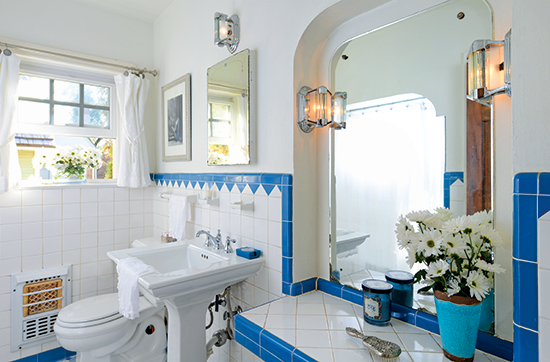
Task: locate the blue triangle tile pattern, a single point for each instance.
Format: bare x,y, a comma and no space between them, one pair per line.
268,188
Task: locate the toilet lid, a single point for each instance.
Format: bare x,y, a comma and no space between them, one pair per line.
101,307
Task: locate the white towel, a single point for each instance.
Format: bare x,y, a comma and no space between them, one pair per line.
179,213
129,270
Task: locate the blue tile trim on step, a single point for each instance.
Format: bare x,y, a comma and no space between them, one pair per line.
525,227
403,313
526,183
287,245
267,356
247,328
296,289
544,183
286,288
329,287
286,203
352,295
526,345
287,270
495,346
247,343
276,346
525,294
57,354
308,285
426,321
299,356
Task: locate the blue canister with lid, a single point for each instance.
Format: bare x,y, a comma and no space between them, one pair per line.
402,283
376,302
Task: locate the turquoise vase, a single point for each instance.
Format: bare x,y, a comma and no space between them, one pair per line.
458,319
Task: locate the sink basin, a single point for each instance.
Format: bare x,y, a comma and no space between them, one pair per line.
187,279
349,240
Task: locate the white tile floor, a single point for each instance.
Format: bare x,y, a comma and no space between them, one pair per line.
315,323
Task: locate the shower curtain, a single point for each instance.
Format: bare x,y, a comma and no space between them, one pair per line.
389,161
10,172
133,162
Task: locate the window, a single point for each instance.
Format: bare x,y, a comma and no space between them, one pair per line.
61,111
57,102
219,116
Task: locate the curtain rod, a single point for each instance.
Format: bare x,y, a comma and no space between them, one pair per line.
153,72
386,104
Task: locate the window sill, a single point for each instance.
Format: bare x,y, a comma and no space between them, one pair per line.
89,183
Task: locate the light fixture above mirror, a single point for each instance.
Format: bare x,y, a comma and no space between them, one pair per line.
319,108
227,31
484,65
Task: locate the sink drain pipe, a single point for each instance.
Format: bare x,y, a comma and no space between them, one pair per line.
220,337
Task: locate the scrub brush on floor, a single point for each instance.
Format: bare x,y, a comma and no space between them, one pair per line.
386,350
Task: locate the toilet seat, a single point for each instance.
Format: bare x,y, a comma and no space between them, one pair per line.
94,311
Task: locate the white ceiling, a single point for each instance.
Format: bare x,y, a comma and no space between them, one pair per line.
144,10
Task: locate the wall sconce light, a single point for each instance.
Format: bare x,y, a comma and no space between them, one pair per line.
319,108
227,31
484,67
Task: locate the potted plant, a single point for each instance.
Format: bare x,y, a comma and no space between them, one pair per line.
456,255
69,163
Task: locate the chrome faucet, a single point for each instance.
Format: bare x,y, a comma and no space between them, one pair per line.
211,240
228,249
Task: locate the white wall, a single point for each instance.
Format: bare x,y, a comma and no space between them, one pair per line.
184,43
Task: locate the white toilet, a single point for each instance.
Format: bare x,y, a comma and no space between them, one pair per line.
98,333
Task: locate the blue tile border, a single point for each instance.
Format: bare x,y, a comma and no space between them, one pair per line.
57,354
525,227
448,179
526,183
526,307
526,345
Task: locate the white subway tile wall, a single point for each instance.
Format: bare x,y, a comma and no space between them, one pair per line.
45,228
78,225
257,228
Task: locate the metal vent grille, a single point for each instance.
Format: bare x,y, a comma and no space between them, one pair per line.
37,298
39,327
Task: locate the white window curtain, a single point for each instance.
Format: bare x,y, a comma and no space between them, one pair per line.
133,163
10,173
389,161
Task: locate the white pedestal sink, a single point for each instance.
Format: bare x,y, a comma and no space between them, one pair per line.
188,278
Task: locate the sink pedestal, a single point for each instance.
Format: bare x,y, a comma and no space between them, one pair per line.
186,327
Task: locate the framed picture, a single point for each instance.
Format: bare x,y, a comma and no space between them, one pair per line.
176,120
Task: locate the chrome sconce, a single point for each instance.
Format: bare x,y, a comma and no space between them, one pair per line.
484,67
319,108
227,31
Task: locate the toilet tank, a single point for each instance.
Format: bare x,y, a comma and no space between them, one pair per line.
153,240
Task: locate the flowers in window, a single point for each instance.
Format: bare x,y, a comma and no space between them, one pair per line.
456,252
68,161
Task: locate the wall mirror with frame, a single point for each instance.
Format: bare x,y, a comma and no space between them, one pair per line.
229,111
404,147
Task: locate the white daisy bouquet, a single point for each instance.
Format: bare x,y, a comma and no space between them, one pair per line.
456,252
68,161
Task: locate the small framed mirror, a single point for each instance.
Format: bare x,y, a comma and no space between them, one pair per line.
229,111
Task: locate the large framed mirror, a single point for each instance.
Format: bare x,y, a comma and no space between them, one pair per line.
229,111
404,147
